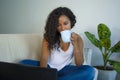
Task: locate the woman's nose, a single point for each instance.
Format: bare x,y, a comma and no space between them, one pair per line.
63,28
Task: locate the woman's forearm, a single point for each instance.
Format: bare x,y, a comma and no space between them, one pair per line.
44,54
78,52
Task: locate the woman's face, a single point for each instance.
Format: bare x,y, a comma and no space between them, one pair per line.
64,23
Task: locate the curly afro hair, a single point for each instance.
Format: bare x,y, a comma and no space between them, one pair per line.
51,34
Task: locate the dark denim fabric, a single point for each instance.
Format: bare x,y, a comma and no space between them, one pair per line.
69,72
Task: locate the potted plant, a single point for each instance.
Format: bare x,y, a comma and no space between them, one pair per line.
104,45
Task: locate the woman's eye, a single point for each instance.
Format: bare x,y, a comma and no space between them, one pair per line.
65,23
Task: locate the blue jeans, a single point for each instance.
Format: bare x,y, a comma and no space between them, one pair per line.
69,72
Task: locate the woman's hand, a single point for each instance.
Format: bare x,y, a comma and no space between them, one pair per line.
74,38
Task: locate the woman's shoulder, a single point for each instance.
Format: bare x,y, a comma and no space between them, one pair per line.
79,38
44,42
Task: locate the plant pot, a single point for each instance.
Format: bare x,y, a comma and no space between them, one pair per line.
109,74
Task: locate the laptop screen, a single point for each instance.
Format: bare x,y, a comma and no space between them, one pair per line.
12,71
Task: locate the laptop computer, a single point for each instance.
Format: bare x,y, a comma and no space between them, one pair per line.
12,71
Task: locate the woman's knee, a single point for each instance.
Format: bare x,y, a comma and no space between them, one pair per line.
29,62
89,70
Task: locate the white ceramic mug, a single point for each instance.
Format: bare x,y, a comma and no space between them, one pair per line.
66,35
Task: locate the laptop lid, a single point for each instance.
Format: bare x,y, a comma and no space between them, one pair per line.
12,71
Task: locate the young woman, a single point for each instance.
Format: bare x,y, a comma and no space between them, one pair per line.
58,54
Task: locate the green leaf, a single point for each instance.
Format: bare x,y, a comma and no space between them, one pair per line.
116,47
105,43
116,65
103,31
93,40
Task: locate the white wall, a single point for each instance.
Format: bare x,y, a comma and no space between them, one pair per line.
29,16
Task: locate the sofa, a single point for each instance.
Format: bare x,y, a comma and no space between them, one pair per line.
17,47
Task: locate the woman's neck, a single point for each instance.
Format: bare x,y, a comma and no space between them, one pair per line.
64,46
